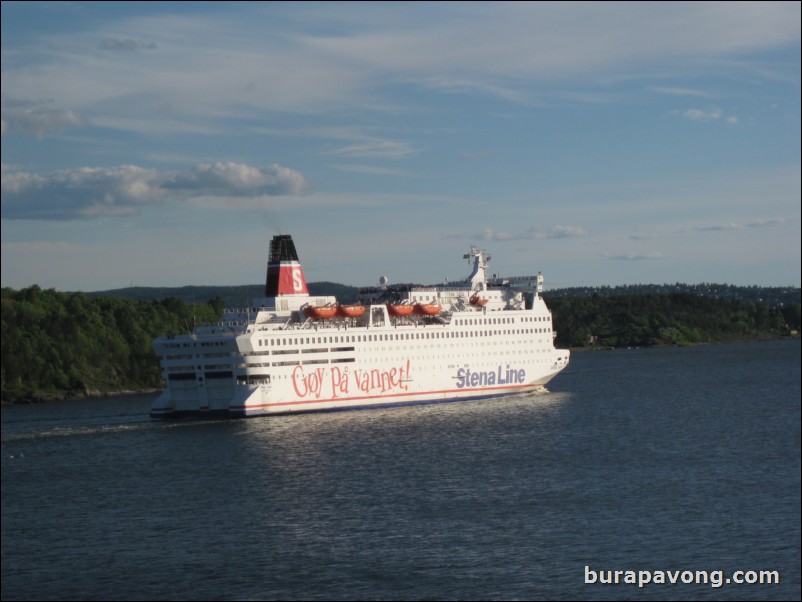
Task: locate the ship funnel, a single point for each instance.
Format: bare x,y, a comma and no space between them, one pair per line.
285,276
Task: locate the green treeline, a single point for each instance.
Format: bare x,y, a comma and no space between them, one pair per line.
57,344
675,319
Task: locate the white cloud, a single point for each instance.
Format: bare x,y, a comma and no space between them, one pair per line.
373,170
465,85
355,142
721,227
635,256
536,40
761,223
33,117
701,115
553,232
706,115
201,68
40,122
90,192
126,45
238,179
566,232
674,91
769,223
533,233
494,235
382,149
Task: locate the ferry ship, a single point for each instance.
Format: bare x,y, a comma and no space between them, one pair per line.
482,337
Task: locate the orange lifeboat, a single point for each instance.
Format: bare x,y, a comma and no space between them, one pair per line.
320,313
399,309
478,301
350,311
427,309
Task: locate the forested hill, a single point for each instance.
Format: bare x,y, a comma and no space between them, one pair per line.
773,296
57,344
239,296
232,296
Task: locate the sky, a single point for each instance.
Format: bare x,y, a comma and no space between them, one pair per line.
164,144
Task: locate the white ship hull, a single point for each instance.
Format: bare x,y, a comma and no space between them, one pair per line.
273,359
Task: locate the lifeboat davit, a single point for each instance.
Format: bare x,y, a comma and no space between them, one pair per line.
427,309
350,311
320,313
478,301
399,309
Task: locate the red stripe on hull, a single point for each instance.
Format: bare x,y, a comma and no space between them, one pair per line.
431,394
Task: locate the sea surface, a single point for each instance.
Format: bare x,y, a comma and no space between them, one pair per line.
674,459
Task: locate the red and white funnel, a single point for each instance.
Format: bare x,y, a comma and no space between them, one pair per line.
285,276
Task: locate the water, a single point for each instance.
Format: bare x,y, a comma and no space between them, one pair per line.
673,459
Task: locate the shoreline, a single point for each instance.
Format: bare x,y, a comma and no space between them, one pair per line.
64,396
765,339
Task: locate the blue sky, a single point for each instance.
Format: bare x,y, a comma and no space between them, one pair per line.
164,144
